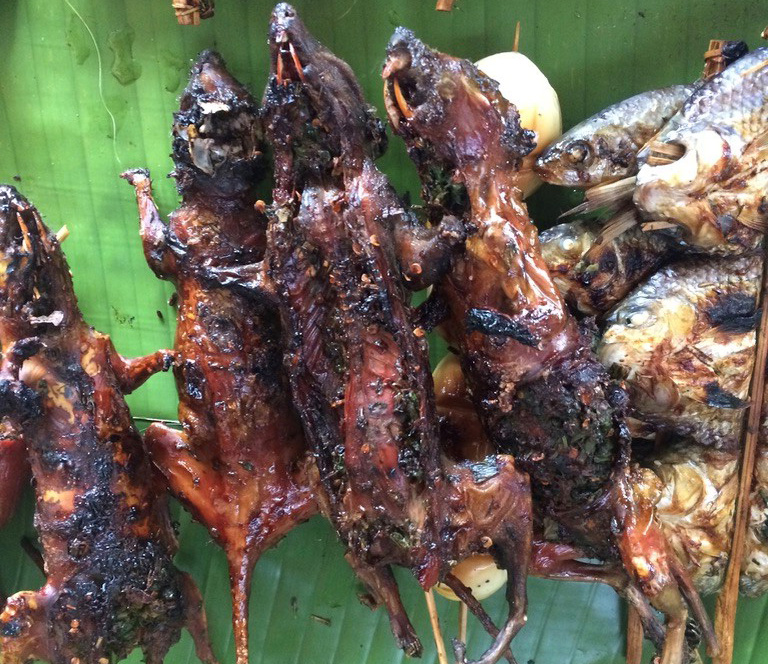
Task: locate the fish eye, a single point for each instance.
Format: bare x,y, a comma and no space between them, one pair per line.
579,152
637,318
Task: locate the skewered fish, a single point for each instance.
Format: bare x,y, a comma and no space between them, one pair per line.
541,393
240,464
715,191
358,364
604,147
684,343
594,273
102,518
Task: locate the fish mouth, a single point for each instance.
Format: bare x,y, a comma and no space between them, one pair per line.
285,31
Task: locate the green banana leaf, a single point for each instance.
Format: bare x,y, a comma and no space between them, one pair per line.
88,89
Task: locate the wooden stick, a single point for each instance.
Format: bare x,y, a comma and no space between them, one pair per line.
725,611
462,623
442,655
713,58
634,637
444,5
516,43
62,234
757,67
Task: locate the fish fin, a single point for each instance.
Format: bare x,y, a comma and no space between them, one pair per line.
617,225
660,225
609,195
759,224
760,143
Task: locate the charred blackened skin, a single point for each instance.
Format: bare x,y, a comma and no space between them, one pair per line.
101,514
552,405
358,366
240,464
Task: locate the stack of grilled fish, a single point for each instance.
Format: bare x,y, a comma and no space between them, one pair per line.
303,373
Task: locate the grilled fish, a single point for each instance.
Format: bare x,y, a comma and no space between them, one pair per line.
715,191
604,147
684,343
240,464
594,273
101,513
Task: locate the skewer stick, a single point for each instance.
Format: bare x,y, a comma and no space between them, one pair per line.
444,5
442,655
462,622
516,43
756,67
725,611
634,637
62,234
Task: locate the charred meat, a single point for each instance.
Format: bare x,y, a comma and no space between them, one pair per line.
101,515
240,464
541,392
358,364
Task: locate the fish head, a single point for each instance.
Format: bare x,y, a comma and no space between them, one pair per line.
587,158
642,338
563,246
36,294
447,110
217,132
317,119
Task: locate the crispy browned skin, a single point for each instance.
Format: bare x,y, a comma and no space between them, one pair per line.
240,464
14,469
358,366
541,393
101,514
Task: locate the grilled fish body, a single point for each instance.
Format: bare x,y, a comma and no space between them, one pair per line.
594,274
715,192
101,514
604,147
684,342
240,464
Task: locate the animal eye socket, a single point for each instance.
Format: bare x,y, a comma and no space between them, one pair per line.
578,152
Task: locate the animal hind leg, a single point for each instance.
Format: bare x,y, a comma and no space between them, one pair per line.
383,586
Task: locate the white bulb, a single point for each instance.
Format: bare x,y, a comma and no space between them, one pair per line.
522,83
479,573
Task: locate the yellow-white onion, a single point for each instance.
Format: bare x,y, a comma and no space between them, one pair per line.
479,573
523,83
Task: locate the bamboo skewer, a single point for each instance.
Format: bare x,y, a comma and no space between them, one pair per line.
462,623
713,58
725,611
62,234
442,655
634,637
444,5
516,43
